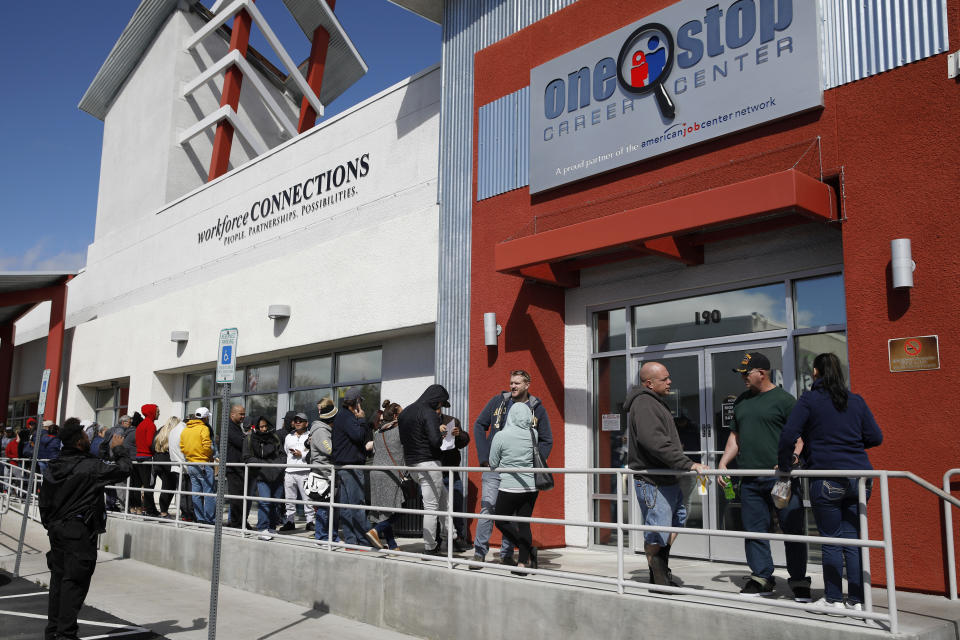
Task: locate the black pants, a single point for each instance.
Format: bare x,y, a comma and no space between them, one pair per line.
143,477
236,487
71,560
186,501
168,480
516,504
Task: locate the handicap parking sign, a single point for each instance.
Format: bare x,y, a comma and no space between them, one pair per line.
226,363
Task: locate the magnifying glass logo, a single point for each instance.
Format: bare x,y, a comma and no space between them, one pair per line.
644,64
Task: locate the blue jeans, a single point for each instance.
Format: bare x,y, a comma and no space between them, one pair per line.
269,512
661,505
489,488
756,510
201,480
322,519
836,507
354,520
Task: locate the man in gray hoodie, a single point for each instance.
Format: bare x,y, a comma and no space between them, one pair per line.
655,444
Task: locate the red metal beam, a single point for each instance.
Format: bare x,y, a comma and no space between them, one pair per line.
232,83
58,312
779,192
28,296
675,248
551,274
7,334
318,61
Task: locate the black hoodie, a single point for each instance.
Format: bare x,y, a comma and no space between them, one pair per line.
419,426
73,487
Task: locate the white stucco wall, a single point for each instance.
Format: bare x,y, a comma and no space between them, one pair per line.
772,255
143,166
360,270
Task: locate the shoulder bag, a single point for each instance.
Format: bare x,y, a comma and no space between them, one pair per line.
408,485
542,479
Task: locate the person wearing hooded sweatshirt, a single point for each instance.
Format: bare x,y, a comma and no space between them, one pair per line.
144,434
419,426
49,444
73,512
197,446
263,446
512,446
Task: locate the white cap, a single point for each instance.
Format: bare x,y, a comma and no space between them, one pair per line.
202,413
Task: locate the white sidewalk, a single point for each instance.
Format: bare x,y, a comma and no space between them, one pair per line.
175,605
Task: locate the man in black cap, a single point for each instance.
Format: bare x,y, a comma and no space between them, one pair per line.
759,414
73,511
419,426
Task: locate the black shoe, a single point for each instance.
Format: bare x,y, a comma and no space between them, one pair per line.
461,545
754,588
801,593
510,562
287,526
310,526
433,552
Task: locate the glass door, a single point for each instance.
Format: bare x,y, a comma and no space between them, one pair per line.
722,389
685,401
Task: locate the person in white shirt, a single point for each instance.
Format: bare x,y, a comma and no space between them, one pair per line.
297,446
177,457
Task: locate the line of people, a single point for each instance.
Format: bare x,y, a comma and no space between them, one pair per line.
828,428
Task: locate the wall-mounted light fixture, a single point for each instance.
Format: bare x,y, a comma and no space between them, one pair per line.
179,336
901,263
491,329
278,311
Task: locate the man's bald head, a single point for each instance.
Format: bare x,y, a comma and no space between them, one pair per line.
654,376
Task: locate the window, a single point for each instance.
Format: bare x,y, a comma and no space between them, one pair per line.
262,388
111,403
19,410
312,379
255,387
728,313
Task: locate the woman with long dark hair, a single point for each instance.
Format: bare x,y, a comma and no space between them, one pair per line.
385,486
837,427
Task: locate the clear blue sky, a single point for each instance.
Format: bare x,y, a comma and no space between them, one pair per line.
51,162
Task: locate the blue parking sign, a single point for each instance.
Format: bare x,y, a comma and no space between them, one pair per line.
227,356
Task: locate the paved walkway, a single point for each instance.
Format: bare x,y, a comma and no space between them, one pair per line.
170,604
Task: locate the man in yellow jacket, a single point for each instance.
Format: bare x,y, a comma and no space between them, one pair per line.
196,444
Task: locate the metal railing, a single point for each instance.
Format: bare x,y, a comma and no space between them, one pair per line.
621,528
948,530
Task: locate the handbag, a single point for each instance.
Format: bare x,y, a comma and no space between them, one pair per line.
542,479
408,485
316,486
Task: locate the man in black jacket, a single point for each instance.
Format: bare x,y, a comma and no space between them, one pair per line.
655,444
73,511
419,426
349,447
235,484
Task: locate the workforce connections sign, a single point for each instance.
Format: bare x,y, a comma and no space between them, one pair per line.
694,71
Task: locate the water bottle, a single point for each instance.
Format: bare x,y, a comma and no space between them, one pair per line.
728,491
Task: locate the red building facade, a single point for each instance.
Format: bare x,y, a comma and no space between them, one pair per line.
875,163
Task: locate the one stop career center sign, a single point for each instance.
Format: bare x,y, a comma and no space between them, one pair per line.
694,71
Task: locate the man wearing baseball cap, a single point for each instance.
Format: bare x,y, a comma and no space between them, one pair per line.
196,444
759,414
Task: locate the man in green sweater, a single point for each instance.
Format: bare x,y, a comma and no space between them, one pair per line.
758,418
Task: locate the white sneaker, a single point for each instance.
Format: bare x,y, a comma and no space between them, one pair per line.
825,606
854,606
264,536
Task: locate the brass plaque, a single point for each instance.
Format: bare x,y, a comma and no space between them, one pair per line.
919,353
